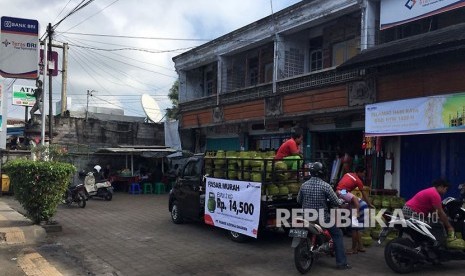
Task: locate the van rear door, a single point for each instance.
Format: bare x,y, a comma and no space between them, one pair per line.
188,194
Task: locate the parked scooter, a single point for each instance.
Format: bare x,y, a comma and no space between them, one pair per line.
100,189
75,194
416,244
309,243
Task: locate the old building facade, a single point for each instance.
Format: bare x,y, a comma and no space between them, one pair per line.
252,87
317,65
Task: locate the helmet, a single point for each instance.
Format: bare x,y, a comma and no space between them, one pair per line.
97,168
317,169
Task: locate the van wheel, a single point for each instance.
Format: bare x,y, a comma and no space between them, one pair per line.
176,216
237,237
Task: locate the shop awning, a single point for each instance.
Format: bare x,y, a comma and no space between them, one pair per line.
144,151
440,41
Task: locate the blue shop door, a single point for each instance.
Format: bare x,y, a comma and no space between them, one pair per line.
214,144
428,157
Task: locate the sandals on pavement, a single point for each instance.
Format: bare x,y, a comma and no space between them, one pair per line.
363,250
351,251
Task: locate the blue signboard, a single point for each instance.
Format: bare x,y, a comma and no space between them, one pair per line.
20,25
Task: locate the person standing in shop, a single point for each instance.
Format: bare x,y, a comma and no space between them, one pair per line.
289,151
344,189
349,182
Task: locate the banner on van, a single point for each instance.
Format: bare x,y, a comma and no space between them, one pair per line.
435,114
233,205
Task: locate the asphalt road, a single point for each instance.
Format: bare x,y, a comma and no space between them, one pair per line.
134,235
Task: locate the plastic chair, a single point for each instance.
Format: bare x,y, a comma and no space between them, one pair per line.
159,188
134,188
148,188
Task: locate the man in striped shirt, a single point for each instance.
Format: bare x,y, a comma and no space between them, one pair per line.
318,195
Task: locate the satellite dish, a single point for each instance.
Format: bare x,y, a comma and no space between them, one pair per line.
151,108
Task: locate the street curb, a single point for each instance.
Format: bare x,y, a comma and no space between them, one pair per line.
17,229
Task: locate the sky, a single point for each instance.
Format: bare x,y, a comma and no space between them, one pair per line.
122,49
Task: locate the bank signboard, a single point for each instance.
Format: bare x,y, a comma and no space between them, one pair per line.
435,114
397,12
23,95
19,48
233,205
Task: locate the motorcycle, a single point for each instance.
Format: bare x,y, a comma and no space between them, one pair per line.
455,210
75,194
309,243
101,189
416,243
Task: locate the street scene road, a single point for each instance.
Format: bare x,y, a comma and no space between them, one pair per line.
134,235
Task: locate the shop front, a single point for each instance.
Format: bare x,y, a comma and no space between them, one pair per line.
332,141
420,139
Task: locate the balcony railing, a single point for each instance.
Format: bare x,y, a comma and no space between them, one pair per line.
289,85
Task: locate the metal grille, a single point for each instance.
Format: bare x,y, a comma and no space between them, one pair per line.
308,81
315,80
293,62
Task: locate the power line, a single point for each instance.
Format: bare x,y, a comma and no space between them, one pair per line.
134,49
62,10
96,57
73,11
125,57
138,67
160,38
92,14
139,37
103,88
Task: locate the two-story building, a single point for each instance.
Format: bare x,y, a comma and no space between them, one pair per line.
250,88
419,68
321,65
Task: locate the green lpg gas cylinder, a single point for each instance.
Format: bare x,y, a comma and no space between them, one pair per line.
211,204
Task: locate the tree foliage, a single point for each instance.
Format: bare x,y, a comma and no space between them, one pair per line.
39,185
51,152
173,95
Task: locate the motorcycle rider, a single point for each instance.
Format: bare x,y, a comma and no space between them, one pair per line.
428,202
315,194
97,175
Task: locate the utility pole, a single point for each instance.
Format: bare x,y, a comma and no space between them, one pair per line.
49,62
64,79
42,97
64,76
89,93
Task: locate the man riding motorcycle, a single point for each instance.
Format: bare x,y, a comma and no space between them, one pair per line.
316,194
428,202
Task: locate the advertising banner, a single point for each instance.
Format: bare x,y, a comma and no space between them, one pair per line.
435,114
397,12
19,48
23,95
233,205
52,66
